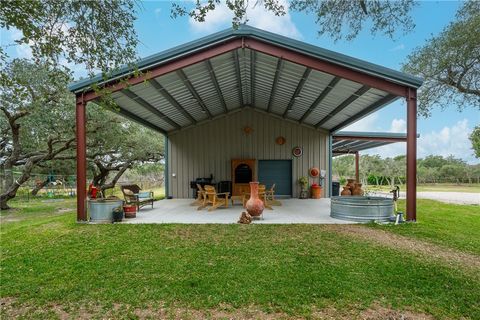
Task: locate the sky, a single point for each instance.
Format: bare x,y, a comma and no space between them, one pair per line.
444,133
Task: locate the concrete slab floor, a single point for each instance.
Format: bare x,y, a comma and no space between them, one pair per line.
292,211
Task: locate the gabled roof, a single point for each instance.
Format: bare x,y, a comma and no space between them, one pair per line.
276,39
249,67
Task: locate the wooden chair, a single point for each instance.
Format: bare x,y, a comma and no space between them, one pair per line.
214,199
270,196
200,196
133,195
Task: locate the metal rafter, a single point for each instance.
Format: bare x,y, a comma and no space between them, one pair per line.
275,82
149,107
164,93
319,99
299,88
213,77
134,117
343,105
253,57
193,92
374,106
239,77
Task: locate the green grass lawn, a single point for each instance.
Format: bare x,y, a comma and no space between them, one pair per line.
48,260
450,225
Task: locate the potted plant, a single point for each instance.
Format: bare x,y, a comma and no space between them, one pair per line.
303,182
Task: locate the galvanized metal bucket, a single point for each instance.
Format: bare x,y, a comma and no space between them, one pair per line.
362,208
101,211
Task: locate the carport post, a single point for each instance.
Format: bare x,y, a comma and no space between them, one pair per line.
357,165
411,154
81,158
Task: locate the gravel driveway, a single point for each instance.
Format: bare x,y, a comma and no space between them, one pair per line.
448,197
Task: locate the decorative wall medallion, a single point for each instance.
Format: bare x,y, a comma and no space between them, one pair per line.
314,172
297,151
280,140
247,129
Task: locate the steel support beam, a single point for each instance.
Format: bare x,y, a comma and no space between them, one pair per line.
81,136
167,96
319,99
357,165
213,78
193,92
386,139
239,77
411,154
343,105
274,85
372,108
133,117
149,107
299,88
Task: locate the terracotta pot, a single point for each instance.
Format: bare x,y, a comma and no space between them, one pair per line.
316,192
346,191
358,191
351,184
254,205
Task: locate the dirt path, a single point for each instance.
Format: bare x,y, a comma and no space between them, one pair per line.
422,248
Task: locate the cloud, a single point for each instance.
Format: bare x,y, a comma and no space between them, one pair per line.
257,16
398,126
22,51
448,141
367,124
401,46
157,12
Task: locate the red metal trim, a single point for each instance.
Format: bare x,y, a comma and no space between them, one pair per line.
385,139
81,158
170,67
357,166
411,154
325,66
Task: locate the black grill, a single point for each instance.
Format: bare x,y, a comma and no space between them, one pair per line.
201,181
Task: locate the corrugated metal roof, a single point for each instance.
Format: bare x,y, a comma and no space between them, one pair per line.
248,31
243,77
345,142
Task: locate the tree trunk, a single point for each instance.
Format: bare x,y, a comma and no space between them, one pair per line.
39,186
114,181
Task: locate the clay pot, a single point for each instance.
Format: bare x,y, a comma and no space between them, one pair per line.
351,184
346,191
254,205
358,191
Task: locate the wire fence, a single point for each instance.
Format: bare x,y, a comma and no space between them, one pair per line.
65,185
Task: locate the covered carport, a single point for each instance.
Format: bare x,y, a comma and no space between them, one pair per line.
352,142
249,69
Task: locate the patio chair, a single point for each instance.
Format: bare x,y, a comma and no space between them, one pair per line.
270,196
214,199
200,196
133,195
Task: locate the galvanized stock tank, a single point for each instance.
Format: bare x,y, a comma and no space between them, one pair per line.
362,209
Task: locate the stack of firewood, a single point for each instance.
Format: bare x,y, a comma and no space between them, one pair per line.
245,218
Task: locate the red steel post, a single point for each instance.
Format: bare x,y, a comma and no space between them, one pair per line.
411,154
81,158
357,165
